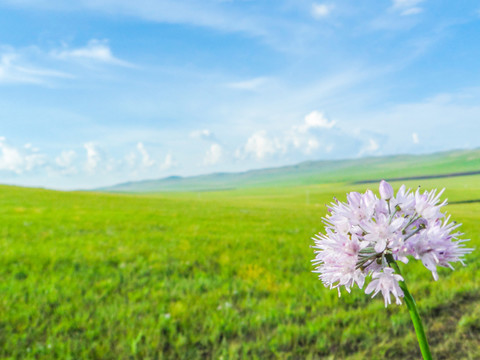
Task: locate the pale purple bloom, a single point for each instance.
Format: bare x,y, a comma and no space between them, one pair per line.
338,260
386,282
426,204
405,201
360,232
382,230
385,190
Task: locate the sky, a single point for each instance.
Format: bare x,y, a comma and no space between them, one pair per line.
99,92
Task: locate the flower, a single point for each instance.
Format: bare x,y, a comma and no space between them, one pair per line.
362,232
338,260
386,282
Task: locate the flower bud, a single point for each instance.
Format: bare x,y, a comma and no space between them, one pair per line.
386,190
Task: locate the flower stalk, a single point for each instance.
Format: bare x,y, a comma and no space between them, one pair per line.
412,309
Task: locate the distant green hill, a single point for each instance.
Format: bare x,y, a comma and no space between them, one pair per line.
316,172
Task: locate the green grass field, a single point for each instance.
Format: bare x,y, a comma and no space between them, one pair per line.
211,275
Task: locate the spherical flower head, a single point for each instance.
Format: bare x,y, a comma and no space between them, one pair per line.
363,232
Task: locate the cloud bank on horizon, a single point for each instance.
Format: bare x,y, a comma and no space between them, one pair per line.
118,91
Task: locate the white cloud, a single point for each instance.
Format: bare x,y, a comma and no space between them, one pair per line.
321,10
372,145
34,160
141,162
407,7
204,134
312,144
369,148
412,11
168,162
66,158
251,84
10,159
12,70
131,159
315,119
213,154
215,151
95,50
17,161
304,139
147,161
29,146
94,157
402,4
66,161
415,138
312,133
260,146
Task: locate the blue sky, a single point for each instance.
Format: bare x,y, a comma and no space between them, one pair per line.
98,92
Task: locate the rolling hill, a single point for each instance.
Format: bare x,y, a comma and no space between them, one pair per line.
451,163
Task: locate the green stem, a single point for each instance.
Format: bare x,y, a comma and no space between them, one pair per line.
412,308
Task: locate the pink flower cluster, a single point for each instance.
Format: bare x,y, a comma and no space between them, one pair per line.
362,231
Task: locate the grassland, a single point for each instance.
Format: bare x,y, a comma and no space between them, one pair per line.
210,275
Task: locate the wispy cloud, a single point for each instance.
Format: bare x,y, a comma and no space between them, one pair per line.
412,11
14,69
37,66
279,31
95,50
168,163
146,160
215,14
320,11
251,84
370,148
407,7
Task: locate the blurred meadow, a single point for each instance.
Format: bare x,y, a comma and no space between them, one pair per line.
212,275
